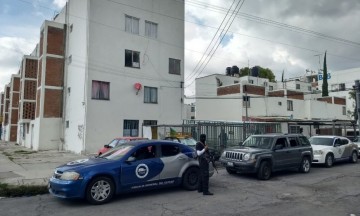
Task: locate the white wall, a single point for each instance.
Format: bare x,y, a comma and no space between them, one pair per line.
219,109
106,59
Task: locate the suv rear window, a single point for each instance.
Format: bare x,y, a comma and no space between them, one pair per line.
304,141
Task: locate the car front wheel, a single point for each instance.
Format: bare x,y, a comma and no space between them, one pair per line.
305,165
230,171
100,190
191,178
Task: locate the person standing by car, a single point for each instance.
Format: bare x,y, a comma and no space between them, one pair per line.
204,159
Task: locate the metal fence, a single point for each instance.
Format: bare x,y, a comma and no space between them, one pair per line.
219,135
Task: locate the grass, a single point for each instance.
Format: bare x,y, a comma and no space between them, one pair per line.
23,190
24,152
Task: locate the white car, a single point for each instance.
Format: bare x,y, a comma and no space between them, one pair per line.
330,149
357,142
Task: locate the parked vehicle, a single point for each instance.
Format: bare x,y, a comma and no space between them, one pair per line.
330,149
191,142
131,167
267,153
118,141
357,142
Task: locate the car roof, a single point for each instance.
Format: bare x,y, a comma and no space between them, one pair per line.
269,134
143,142
129,138
329,136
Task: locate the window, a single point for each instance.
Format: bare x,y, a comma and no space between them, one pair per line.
131,24
282,142
236,81
132,59
344,141
131,128
67,124
294,129
246,101
151,29
297,86
169,150
290,105
293,142
192,117
150,95
251,81
144,153
344,110
192,109
304,141
279,103
174,66
150,122
100,90
271,88
342,87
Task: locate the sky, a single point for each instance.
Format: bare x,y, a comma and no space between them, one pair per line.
282,35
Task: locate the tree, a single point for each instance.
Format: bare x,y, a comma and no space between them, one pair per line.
325,91
263,73
353,114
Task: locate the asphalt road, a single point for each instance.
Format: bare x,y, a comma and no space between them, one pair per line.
331,192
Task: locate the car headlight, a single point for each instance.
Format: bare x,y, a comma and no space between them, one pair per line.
318,152
246,157
70,176
223,154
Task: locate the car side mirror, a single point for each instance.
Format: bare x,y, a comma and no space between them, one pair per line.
131,159
278,146
106,146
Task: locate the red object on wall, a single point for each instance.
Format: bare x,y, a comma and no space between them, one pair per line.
137,86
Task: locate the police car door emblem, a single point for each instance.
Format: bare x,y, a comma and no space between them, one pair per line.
142,170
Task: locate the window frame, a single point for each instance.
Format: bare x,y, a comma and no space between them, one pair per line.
290,105
172,145
151,26
175,66
132,18
132,58
149,89
131,122
101,88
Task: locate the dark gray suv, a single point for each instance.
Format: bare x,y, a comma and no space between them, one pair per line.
266,153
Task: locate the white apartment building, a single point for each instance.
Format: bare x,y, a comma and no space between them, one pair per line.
340,83
221,97
105,69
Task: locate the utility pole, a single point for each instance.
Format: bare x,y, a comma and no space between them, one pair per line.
357,93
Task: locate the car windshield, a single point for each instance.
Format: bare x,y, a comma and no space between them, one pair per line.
117,153
188,141
327,141
261,142
112,144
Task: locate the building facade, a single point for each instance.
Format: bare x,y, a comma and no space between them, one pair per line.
105,68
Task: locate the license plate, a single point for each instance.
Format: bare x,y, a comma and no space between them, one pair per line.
230,164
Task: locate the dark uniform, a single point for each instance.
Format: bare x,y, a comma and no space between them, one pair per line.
204,160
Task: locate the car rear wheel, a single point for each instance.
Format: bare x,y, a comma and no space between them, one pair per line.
329,160
190,178
100,190
305,165
264,171
354,157
230,171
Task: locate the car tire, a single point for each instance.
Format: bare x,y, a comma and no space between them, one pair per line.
354,157
305,165
329,160
264,171
190,178
230,171
100,190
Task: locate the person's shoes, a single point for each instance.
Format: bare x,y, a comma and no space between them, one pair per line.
208,193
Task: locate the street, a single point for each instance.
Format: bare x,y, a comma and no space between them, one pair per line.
333,191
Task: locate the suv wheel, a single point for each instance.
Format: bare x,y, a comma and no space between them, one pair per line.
191,178
329,160
264,171
100,190
305,165
354,157
230,171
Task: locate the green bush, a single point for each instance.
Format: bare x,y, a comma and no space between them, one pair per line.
23,190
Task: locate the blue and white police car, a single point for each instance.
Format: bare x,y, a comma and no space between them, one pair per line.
131,167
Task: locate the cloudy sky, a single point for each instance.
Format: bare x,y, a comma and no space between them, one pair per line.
278,34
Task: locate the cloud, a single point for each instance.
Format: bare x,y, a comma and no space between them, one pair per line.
59,3
12,50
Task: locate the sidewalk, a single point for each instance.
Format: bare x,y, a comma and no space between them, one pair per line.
22,166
